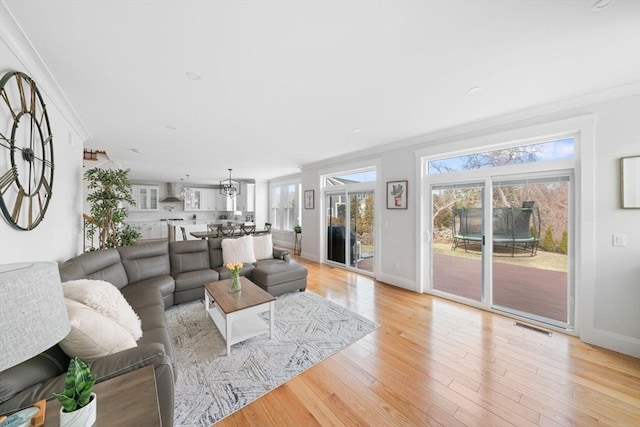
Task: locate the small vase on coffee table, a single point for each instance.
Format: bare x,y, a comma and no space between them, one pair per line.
235,282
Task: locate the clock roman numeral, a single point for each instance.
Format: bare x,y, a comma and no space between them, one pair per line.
47,140
7,179
5,97
34,90
18,206
30,217
23,100
47,186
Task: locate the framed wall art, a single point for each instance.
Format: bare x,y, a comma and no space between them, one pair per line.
308,199
630,182
397,194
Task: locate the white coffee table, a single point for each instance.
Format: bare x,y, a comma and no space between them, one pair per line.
235,314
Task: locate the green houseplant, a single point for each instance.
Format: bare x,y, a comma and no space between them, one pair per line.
111,190
396,192
77,399
297,229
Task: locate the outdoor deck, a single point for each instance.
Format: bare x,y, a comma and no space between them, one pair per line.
531,290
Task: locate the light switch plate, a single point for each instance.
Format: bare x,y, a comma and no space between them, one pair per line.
620,240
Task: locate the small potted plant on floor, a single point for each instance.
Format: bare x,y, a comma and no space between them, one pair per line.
78,399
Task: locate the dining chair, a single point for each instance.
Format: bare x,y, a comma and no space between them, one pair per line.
184,233
226,231
214,229
247,229
267,227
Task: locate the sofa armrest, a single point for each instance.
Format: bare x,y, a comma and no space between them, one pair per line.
129,360
282,254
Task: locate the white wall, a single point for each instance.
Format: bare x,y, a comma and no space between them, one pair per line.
58,236
617,269
612,295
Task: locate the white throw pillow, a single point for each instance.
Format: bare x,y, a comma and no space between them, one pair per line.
263,246
93,335
238,250
107,300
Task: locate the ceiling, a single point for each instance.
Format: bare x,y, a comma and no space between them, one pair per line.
265,87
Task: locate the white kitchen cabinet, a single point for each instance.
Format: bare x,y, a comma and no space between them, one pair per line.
146,197
203,199
224,203
246,201
151,230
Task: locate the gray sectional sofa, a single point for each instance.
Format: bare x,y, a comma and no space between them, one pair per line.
152,277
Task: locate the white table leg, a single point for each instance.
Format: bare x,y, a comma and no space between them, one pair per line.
227,324
272,311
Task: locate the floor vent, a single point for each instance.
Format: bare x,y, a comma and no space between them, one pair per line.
533,328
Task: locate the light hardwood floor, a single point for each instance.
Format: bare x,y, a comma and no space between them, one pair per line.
436,362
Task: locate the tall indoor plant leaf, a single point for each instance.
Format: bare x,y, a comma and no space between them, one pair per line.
109,190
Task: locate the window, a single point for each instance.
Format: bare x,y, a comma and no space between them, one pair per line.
275,207
285,206
347,178
553,150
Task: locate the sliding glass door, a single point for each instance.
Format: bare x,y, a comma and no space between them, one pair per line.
350,229
457,249
336,220
531,249
509,250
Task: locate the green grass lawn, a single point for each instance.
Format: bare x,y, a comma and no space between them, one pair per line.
542,260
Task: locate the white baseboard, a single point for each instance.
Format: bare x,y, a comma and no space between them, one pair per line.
400,282
616,342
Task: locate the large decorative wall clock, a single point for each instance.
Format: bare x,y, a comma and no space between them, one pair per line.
26,152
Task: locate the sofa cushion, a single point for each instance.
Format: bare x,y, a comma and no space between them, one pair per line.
238,250
215,252
93,335
224,272
165,284
145,261
99,265
107,300
270,273
38,369
194,279
263,246
188,256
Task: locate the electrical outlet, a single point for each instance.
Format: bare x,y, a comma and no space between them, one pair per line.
620,240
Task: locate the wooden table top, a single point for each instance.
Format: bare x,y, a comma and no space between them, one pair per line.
126,400
208,234
249,295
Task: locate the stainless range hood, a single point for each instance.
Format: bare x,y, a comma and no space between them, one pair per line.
173,193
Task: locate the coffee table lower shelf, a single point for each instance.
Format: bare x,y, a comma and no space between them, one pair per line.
239,322
250,326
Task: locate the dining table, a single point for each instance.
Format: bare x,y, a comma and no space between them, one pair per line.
214,233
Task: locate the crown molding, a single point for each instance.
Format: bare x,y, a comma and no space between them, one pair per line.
557,110
12,34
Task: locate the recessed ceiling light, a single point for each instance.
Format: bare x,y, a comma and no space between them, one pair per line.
171,127
474,89
601,4
193,76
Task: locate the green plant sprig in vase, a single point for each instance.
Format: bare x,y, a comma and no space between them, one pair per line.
78,386
77,399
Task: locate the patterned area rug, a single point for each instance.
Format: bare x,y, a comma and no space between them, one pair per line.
210,386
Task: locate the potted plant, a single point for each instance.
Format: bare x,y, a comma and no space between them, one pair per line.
297,229
111,189
396,192
78,399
